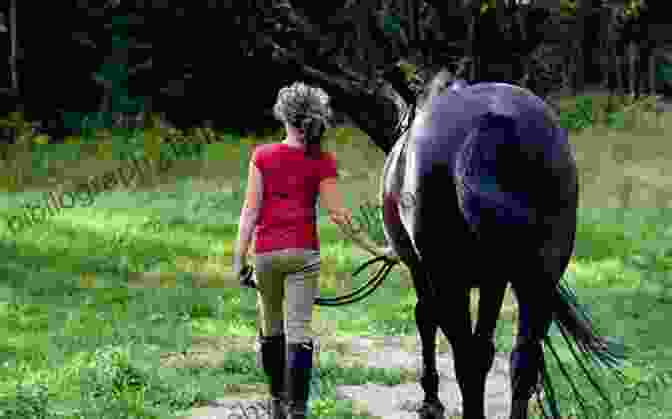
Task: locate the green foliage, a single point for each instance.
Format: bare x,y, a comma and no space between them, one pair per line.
588,112
392,24
113,75
23,129
664,72
408,69
580,118
568,7
632,8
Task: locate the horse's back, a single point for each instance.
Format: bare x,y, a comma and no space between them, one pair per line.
446,120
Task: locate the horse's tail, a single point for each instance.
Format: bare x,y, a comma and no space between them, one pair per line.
488,178
526,187
574,321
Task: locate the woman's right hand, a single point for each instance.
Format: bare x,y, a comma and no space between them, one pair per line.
390,254
344,218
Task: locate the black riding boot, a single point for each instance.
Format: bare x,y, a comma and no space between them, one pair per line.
273,350
299,368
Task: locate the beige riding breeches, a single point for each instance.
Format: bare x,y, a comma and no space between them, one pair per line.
290,276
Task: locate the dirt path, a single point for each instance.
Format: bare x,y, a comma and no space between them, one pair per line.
399,402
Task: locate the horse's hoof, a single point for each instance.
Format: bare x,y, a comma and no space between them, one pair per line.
431,410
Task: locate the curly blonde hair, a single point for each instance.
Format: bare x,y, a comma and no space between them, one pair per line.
300,101
306,108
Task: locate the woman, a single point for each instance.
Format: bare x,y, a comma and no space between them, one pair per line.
284,182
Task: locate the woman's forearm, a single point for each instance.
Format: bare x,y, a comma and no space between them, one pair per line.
248,221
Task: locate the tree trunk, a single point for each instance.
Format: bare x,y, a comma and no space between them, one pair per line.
520,21
620,84
505,56
605,43
366,44
471,15
642,68
632,52
652,72
448,12
13,52
411,13
583,8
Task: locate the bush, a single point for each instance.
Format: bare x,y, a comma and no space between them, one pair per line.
613,112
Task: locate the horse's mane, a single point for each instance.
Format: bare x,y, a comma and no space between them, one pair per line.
435,86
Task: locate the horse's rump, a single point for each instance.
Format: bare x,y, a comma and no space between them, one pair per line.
513,177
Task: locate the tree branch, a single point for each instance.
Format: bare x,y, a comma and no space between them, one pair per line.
377,111
83,39
144,66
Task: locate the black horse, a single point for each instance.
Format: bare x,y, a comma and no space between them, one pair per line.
482,191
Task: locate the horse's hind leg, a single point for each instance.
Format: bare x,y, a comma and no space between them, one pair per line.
427,323
483,346
455,323
425,317
527,357
473,353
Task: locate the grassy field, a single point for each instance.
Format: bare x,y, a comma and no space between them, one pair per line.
101,304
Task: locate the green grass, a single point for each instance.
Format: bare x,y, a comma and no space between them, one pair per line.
51,323
86,342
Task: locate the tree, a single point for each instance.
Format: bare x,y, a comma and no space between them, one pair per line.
12,63
11,31
300,37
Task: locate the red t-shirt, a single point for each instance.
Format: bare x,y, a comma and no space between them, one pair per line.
288,215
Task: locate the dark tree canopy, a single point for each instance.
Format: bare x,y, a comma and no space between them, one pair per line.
224,61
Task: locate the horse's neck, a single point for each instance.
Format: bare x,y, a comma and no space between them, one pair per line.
395,167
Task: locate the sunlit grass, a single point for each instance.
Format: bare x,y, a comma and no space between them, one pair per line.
148,273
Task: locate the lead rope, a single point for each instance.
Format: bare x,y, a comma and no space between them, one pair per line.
315,392
377,280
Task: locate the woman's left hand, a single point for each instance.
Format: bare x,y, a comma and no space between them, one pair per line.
245,277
